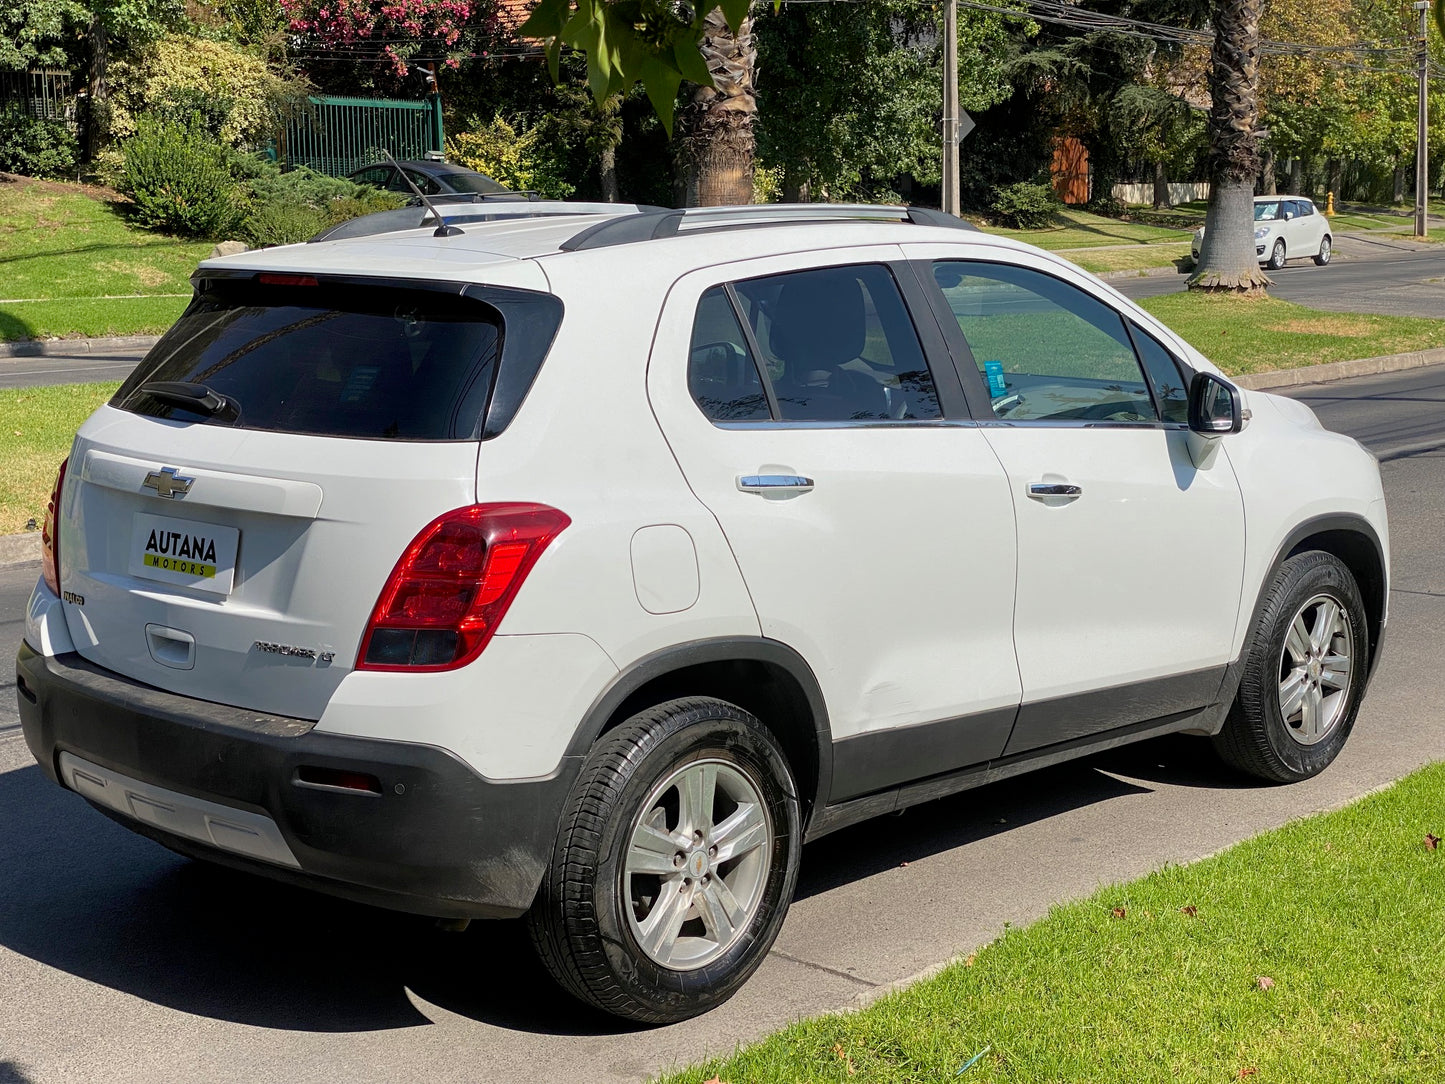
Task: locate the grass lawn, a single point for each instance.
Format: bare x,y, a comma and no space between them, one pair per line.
1078,229
38,425
1130,258
1252,336
1309,954
61,241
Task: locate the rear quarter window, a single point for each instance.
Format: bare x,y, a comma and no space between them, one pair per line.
366,362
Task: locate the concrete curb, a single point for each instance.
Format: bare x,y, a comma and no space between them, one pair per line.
19,549
1341,370
37,348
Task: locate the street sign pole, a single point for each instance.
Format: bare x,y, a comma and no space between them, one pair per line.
950,108
1422,145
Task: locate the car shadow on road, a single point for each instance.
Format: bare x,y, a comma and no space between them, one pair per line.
86,896
89,898
973,815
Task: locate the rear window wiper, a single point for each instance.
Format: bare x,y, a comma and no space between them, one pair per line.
196,398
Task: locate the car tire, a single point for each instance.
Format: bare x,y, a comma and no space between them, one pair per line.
1323,256
654,937
1304,673
1276,256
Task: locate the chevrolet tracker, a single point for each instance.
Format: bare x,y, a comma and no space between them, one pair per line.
585,566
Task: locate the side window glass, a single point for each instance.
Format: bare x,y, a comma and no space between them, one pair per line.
1047,351
838,345
428,185
1170,389
721,373
1304,208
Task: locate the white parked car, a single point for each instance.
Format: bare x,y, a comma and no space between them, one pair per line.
1284,227
586,567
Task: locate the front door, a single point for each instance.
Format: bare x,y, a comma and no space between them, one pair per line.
1130,557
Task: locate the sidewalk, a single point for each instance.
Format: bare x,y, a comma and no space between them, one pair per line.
37,348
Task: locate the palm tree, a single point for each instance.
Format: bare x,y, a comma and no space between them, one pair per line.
1227,260
715,128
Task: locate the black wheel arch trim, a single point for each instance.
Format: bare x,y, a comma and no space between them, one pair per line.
1375,593
718,650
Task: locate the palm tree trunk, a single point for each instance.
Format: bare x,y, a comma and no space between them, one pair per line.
1227,259
716,127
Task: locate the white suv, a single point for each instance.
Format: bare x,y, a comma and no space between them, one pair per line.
584,568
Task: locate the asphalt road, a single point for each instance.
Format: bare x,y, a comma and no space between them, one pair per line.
120,961
1366,278
80,368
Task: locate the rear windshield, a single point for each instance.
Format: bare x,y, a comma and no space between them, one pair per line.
368,362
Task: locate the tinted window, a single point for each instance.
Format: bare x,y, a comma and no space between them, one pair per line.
721,372
472,182
1170,389
376,175
354,362
1045,349
838,345
428,185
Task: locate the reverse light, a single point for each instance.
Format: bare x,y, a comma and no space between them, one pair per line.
453,585
50,534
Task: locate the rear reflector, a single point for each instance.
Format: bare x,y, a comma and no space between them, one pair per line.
453,585
50,534
337,779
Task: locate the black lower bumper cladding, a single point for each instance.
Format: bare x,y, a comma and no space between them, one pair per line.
424,833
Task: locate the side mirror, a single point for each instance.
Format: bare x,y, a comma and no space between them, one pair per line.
1214,406
1288,215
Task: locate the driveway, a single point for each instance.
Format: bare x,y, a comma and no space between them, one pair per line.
121,961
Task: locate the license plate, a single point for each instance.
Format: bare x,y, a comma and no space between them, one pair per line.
201,556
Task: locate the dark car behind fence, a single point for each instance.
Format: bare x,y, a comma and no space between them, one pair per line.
339,135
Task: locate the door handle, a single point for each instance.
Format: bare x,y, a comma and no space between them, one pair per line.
774,483
1039,490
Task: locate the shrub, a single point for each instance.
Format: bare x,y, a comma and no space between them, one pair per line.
1106,206
178,177
290,207
1025,205
282,223
519,160
35,147
238,97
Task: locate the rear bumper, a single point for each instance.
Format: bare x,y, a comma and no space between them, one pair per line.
430,836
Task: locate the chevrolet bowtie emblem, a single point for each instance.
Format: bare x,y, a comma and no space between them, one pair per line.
167,483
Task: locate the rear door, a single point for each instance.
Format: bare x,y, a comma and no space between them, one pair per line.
1130,558
234,554
870,519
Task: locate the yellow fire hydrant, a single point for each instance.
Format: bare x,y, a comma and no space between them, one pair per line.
1329,203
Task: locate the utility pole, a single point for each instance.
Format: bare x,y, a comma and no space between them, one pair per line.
950,107
1422,145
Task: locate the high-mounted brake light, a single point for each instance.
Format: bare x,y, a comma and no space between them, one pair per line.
453,585
267,278
50,534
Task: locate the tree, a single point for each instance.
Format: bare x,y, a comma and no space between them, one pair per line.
349,31
34,33
851,97
716,125
1227,260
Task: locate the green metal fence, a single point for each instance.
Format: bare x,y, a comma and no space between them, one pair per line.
339,135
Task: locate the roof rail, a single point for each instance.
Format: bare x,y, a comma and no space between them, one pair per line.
653,224
467,210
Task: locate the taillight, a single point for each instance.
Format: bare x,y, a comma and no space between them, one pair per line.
453,584
50,534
